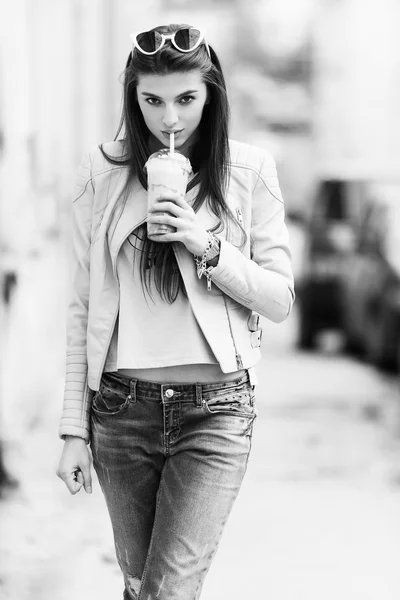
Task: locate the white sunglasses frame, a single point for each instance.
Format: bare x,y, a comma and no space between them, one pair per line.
170,36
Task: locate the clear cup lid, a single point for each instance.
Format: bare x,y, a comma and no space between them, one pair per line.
165,153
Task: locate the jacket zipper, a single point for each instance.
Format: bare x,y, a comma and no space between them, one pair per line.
239,362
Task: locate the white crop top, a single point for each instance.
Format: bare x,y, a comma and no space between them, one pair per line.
151,332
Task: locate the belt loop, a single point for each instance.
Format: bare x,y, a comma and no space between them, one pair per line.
132,390
198,394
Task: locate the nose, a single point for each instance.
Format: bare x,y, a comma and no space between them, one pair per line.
170,117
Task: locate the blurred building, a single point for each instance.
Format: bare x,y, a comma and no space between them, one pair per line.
356,89
60,94
60,68
294,68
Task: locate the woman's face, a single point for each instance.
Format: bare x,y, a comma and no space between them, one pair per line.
172,102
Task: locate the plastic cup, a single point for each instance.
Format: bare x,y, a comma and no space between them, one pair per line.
167,177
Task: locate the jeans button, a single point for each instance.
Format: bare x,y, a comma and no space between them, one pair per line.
169,393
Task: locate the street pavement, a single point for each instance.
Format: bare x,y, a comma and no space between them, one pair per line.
318,514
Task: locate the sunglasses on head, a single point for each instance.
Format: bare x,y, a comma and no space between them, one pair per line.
184,40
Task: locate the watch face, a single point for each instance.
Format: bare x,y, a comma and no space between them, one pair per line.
214,250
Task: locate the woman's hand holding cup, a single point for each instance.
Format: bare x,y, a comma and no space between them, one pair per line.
177,213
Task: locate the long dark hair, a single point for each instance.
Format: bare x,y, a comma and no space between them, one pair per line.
209,157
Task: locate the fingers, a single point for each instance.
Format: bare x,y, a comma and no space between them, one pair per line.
174,207
71,480
86,478
167,237
75,480
74,468
165,219
180,202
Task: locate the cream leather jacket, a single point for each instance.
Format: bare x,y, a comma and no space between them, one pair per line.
255,279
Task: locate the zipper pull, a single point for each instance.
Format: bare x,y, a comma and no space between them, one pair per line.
239,361
239,215
207,273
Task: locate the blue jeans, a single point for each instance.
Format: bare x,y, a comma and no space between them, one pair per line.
170,459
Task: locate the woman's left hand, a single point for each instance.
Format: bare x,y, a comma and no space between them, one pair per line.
182,216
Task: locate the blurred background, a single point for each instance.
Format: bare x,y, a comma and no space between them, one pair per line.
318,83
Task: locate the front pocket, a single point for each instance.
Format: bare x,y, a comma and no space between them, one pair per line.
241,404
109,403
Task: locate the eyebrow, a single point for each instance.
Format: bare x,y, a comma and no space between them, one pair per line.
180,95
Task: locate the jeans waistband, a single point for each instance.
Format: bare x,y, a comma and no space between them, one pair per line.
170,392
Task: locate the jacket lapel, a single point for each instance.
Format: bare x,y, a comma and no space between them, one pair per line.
131,214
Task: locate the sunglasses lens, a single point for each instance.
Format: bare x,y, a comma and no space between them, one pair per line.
150,41
186,39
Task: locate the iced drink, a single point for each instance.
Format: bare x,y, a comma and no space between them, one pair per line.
167,176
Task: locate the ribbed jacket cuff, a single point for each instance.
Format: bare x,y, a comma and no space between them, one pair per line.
75,419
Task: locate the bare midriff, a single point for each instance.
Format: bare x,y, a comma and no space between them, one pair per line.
200,373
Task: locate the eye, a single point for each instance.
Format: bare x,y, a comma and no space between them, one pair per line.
153,101
186,99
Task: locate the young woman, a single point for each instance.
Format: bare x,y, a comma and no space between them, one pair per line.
163,335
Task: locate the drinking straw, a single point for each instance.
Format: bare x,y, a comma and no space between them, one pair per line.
171,142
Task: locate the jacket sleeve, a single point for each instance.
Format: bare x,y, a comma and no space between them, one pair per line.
77,394
264,282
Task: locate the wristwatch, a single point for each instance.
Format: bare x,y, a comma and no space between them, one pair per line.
215,249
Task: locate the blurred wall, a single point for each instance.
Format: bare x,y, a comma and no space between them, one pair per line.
307,78
60,94
356,89
60,90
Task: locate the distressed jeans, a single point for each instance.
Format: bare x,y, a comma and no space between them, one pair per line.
170,459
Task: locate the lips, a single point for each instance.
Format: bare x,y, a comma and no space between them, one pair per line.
167,134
